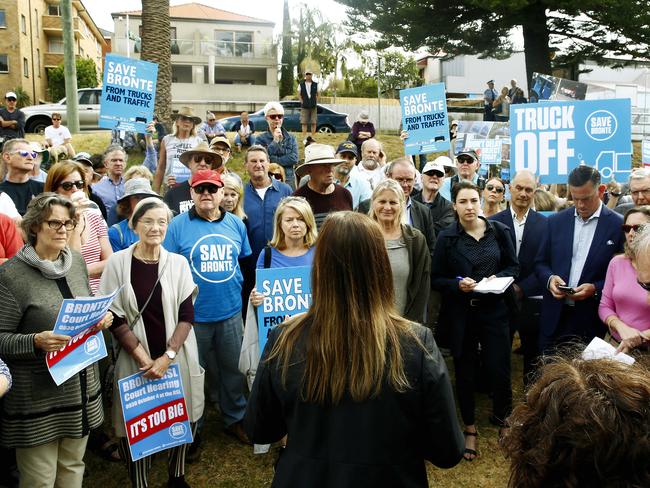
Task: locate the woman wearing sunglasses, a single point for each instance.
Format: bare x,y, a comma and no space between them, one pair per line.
493,196
624,306
90,236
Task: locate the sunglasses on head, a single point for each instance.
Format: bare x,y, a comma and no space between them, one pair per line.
23,154
212,189
275,116
67,185
497,189
627,228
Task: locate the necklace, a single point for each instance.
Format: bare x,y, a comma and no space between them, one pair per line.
145,260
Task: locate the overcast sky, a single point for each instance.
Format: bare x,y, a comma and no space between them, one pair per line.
100,10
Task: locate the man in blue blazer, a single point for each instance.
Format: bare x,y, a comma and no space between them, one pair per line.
526,227
576,249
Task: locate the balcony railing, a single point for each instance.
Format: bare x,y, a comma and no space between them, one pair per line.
219,49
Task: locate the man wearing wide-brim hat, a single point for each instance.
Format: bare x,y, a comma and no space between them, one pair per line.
121,235
183,137
322,193
198,158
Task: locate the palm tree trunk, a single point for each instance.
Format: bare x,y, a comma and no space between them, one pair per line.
156,47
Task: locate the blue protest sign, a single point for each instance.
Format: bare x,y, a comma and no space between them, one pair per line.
78,318
552,138
128,94
489,149
645,152
155,413
424,117
288,292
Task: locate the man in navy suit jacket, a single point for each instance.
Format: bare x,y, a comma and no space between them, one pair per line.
526,228
577,247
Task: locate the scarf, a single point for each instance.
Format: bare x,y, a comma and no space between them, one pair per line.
52,270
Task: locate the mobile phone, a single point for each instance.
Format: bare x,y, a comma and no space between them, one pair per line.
566,289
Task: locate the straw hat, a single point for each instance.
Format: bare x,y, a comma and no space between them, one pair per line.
317,154
187,112
201,148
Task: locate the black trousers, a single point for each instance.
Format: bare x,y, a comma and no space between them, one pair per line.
487,324
527,322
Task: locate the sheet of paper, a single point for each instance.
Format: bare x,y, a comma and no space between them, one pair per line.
599,349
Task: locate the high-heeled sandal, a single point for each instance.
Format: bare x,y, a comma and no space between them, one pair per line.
470,452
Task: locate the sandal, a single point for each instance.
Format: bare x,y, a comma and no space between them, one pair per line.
110,451
470,454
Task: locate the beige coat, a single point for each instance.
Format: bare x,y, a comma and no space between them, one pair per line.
177,285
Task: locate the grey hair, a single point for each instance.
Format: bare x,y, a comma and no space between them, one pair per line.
273,106
641,242
112,148
372,139
39,209
404,160
640,174
146,204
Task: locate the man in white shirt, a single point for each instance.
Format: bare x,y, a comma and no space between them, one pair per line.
58,138
371,165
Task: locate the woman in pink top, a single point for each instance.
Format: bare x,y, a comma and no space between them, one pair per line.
624,306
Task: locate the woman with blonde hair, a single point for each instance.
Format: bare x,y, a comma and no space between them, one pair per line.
233,196
90,236
276,171
183,137
408,253
363,394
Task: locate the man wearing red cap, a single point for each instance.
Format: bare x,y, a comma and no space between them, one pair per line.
213,241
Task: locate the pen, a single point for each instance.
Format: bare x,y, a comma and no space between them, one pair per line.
459,278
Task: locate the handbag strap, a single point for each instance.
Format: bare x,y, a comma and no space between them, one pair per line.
137,317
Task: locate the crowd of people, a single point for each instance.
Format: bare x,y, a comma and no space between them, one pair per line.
355,390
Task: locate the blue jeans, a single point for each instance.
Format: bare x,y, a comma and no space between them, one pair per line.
251,140
222,341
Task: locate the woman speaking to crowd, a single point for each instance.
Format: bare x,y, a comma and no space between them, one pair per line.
466,253
47,424
154,315
363,394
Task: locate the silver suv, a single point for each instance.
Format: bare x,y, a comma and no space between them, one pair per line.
38,117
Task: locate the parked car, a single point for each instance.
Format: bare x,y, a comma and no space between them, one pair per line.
38,117
328,120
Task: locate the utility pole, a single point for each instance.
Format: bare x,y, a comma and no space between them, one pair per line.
70,67
378,91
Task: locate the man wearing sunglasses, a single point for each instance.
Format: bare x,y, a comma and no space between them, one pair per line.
200,157
467,163
12,119
19,159
576,248
58,137
433,176
213,241
281,146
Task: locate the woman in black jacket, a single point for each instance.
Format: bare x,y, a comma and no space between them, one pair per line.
466,253
363,394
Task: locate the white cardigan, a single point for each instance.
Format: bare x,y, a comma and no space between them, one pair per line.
177,285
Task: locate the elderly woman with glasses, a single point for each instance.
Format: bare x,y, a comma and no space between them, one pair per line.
624,305
47,424
183,138
90,237
153,326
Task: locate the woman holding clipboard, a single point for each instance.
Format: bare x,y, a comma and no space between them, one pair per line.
466,253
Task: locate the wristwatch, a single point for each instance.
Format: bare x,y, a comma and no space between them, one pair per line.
170,354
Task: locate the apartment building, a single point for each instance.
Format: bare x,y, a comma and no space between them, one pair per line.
31,42
221,61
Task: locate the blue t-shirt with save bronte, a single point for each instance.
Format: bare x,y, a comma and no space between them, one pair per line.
213,250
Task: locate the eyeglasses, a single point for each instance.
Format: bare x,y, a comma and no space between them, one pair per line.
212,120
220,150
627,228
23,154
212,189
277,176
11,99
497,189
67,185
188,119
55,119
57,224
405,181
434,173
197,158
152,222
275,116
465,160
645,286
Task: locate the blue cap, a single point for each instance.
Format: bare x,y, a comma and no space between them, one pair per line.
348,146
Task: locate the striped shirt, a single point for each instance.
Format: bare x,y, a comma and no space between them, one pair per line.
91,250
